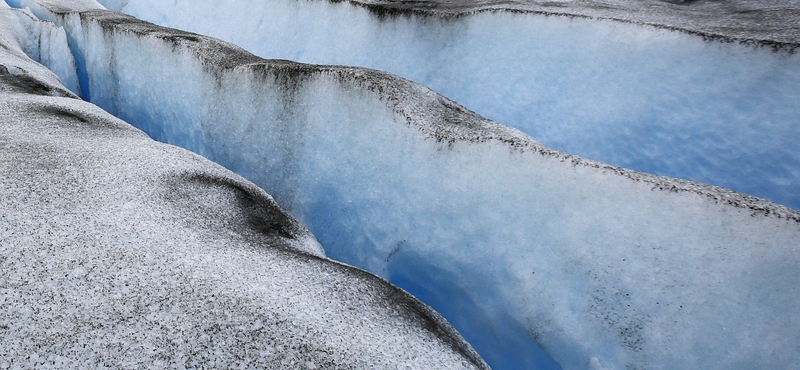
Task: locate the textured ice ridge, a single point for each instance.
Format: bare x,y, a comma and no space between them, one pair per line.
513,242
705,91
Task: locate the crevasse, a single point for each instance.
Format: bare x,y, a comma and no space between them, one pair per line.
512,241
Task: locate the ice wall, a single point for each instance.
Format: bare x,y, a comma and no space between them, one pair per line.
120,252
635,96
42,42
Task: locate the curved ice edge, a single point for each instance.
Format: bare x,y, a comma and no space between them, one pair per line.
385,8
652,100
440,118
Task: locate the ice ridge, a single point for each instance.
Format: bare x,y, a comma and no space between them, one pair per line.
611,81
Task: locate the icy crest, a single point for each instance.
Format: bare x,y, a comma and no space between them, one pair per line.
715,103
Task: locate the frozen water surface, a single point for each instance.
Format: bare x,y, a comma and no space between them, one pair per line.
514,242
717,102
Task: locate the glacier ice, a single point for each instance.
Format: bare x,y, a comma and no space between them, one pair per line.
640,97
42,42
118,251
605,267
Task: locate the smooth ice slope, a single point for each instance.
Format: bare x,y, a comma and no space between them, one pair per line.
698,106
118,251
606,268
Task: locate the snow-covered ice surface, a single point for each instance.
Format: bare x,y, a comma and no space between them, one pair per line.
118,251
513,242
717,102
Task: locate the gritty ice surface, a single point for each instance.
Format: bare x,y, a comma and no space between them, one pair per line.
696,105
118,251
512,241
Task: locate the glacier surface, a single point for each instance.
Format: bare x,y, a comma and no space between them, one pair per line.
118,251
513,241
716,102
